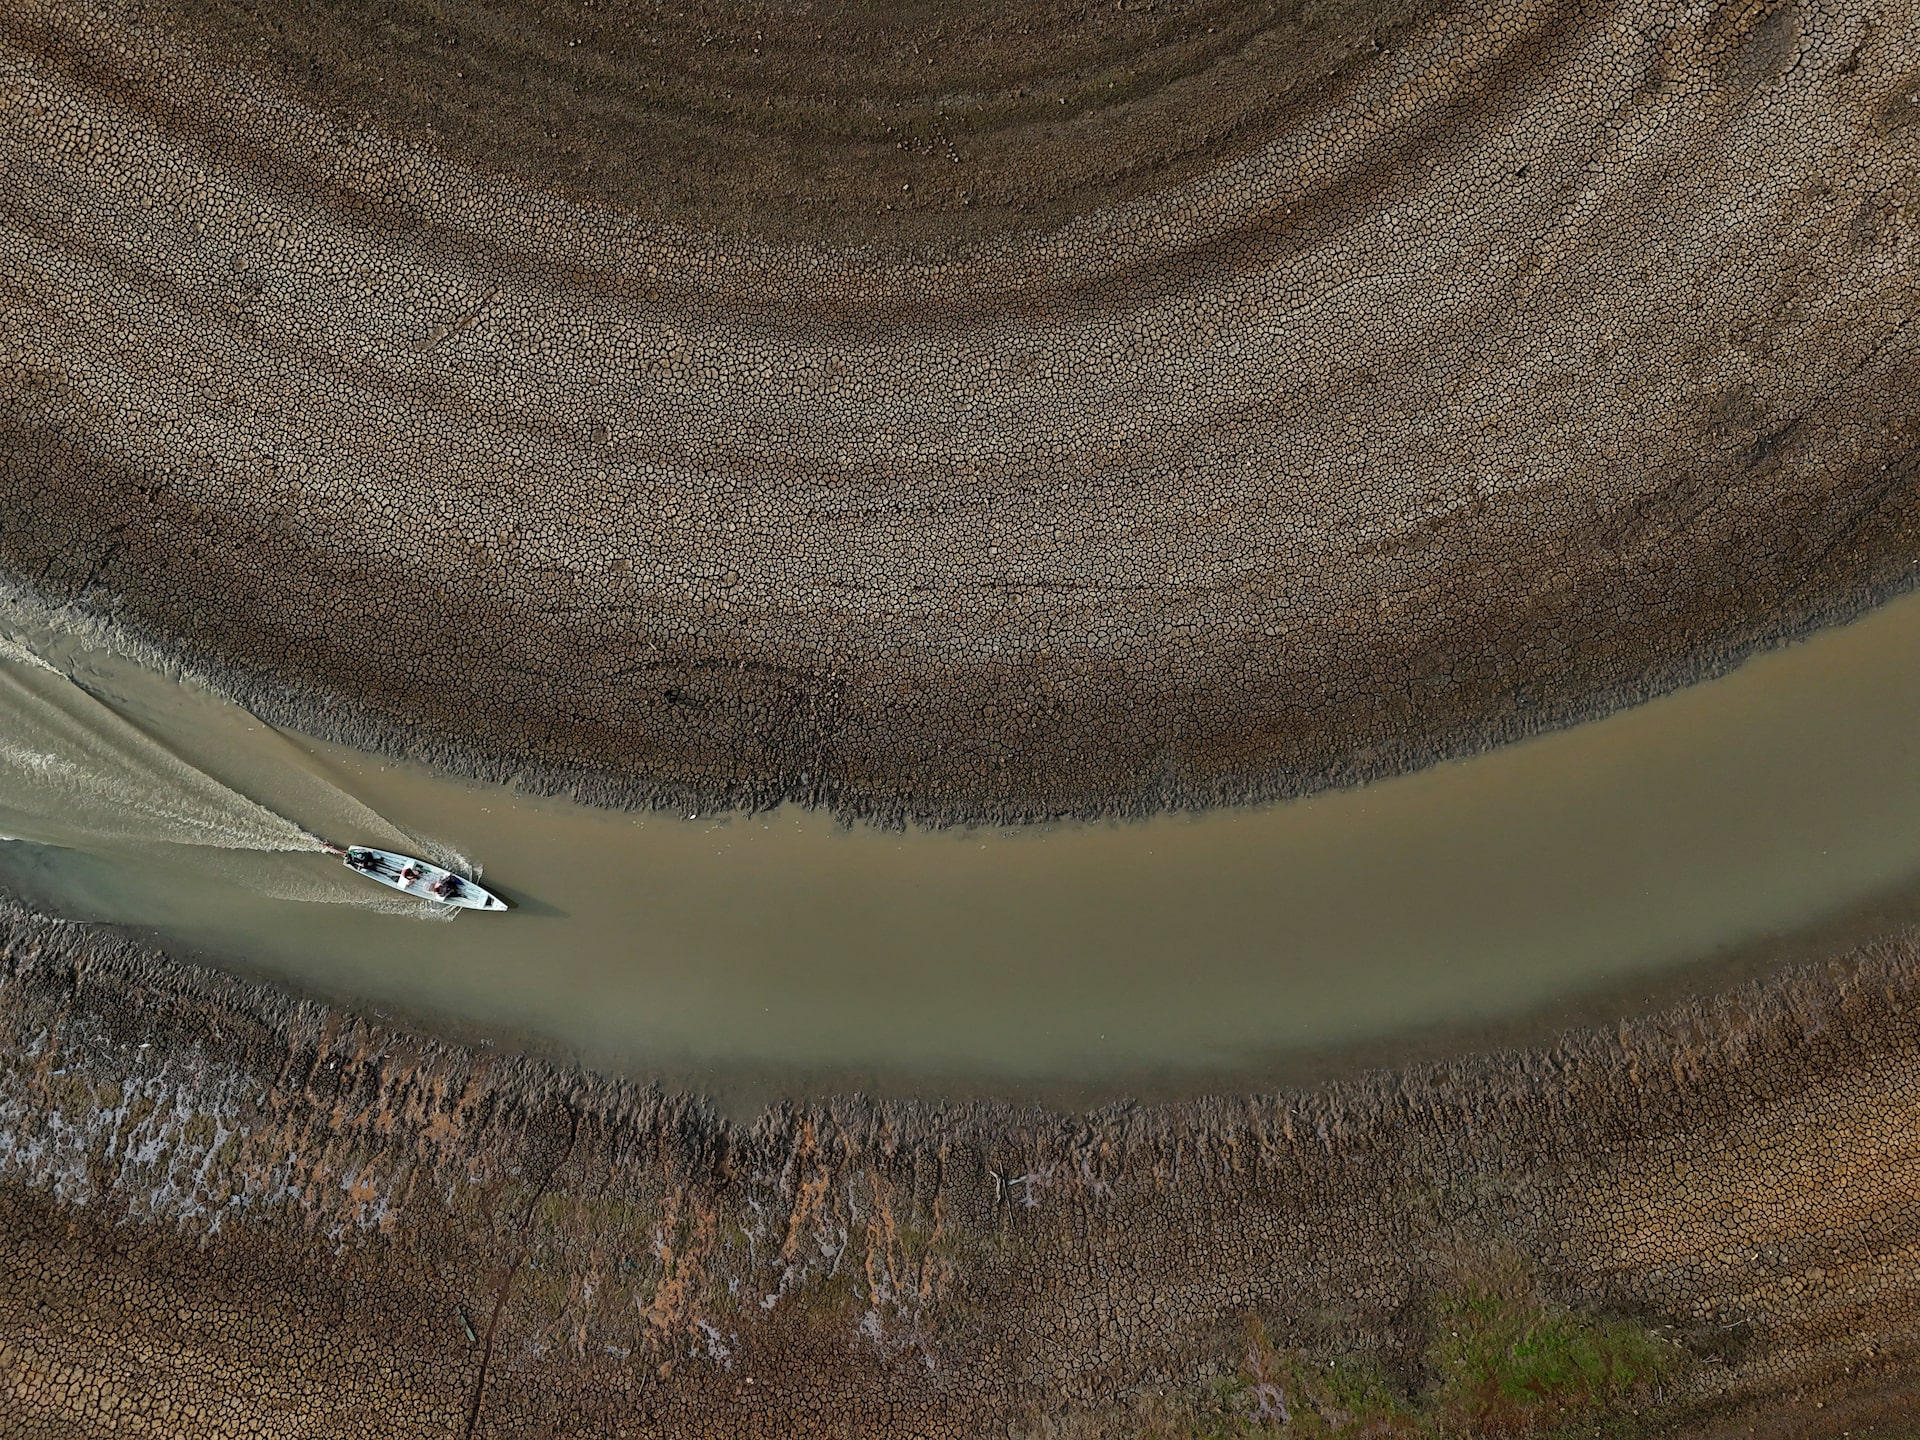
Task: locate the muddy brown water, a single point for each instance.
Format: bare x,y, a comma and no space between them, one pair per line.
1605,859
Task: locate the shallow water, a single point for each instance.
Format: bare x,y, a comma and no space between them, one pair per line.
73,772
1598,859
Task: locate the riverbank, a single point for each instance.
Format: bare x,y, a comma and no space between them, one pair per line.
1436,406
263,1212
1605,870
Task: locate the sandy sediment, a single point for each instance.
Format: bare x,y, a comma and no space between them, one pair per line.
232,1213
998,416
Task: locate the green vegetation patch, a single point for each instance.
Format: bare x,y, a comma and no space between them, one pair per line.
1508,1366
1499,1361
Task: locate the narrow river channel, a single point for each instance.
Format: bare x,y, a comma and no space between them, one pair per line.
1603,865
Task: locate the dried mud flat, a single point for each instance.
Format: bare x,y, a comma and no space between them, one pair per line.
964,413
228,1213
961,413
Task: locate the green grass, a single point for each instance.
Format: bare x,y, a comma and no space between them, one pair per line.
1499,1361
1505,1364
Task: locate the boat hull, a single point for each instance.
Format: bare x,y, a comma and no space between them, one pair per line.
389,868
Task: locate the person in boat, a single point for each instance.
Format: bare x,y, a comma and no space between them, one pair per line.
447,886
361,860
408,874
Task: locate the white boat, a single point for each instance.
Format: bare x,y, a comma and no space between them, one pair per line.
421,878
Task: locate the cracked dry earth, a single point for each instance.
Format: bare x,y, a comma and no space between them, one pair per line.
227,1213
955,412
962,414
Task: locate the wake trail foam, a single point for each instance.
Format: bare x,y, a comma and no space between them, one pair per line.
74,773
286,877
338,813
82,767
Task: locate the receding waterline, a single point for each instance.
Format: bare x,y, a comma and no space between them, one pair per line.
1598,857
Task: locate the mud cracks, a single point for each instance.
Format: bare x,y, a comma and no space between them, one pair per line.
348,1230
1438,378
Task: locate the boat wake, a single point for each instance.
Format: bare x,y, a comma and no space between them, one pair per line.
81,770
74,773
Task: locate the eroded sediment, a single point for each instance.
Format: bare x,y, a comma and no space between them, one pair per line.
1345,388
226,1210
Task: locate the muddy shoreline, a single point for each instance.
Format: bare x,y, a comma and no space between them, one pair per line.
205,1180
738,1090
